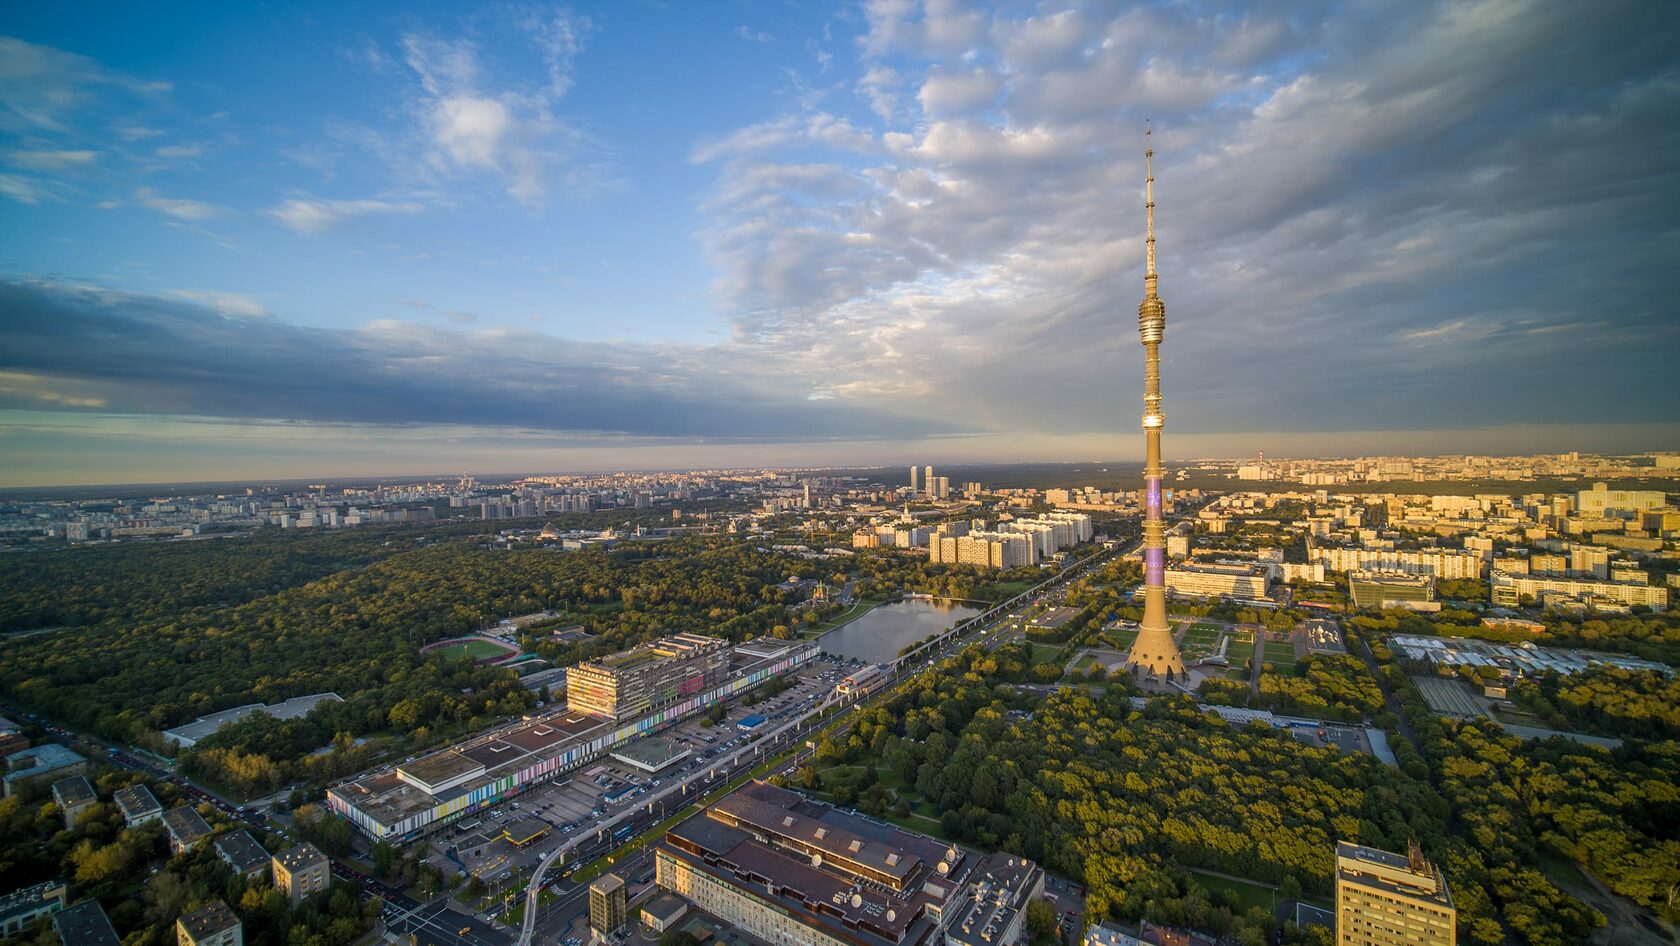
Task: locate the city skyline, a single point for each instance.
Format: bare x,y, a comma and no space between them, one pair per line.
503,239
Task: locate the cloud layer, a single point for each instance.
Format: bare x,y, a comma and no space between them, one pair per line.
216,355
1391,217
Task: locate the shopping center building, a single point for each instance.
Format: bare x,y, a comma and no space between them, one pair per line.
403,802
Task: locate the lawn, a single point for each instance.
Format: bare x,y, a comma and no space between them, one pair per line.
1249,894
1203,632
1280,654
1236,673
852,613
1047,653
472,649
1010,589
1121,639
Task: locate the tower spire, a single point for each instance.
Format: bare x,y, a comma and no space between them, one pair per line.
1149,210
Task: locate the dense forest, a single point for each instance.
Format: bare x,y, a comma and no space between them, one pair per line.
1526,812
1606,700
156,635
1321,686
1127,800
1123,799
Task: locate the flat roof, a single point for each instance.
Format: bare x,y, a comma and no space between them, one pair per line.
241,851
301,857
440,767
85,924
651,753
526,830
185,824
136,800
825,899
74,790
208,920
1392,873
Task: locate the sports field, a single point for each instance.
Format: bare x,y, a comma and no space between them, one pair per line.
473,649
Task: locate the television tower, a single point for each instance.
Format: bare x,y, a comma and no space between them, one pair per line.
1154,650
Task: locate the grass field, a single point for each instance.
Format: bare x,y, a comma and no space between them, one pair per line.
1047,653
1121,639
1248,894
847,616
474,649
1280,654
1201,631
1012,588
1236,673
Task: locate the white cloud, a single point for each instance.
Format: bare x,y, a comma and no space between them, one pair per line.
180,151
50,160
309,215
753,36
179,208
227,303
472,124
948,93
23,190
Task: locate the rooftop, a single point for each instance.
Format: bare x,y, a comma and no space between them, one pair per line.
302,857
208,920
29,763
25,900
185,825
75,790
85,924
808,862
241,851
650,753
136,800
1398,874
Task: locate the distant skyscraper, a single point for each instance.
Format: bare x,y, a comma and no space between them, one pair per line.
927,480
913,472
1154,650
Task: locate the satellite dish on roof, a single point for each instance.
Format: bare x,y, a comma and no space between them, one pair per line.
944,868
816,860
892,915
857,900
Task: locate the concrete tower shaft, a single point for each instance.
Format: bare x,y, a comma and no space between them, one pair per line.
1154,651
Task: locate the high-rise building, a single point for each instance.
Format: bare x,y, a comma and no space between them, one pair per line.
913,472
638,680
609,904
1154,652
1385,899
927,480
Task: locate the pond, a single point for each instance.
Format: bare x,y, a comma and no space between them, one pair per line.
879,635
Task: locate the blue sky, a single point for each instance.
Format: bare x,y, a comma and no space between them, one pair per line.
242,240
